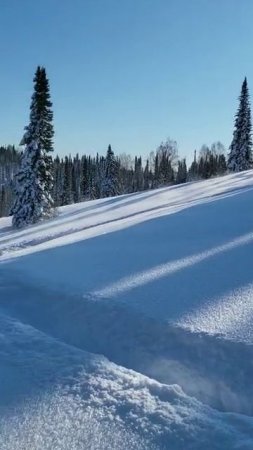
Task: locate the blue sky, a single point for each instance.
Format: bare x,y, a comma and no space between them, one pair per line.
127,72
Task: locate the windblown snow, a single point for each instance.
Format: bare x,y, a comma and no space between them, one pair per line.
127,322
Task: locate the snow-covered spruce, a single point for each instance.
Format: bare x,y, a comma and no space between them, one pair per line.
240,156
33,183
33,200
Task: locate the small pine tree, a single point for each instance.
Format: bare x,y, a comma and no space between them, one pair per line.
193,170
181,172
2,200
67,197
110,183
33,185
240,156
146,176
222,164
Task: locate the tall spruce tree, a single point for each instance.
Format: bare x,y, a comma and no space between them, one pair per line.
34,181
240,156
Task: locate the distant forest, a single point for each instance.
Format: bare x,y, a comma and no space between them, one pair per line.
81,178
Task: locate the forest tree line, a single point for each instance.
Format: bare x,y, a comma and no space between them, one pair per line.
81,178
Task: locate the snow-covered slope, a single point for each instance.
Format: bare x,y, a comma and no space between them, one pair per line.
161,284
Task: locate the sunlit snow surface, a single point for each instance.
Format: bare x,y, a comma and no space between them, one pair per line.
161,283
231,315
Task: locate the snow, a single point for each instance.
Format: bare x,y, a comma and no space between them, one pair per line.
57,396
231,315
161,284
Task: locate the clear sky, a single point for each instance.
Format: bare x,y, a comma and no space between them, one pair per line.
127,72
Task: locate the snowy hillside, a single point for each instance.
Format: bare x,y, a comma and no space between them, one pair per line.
127,322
